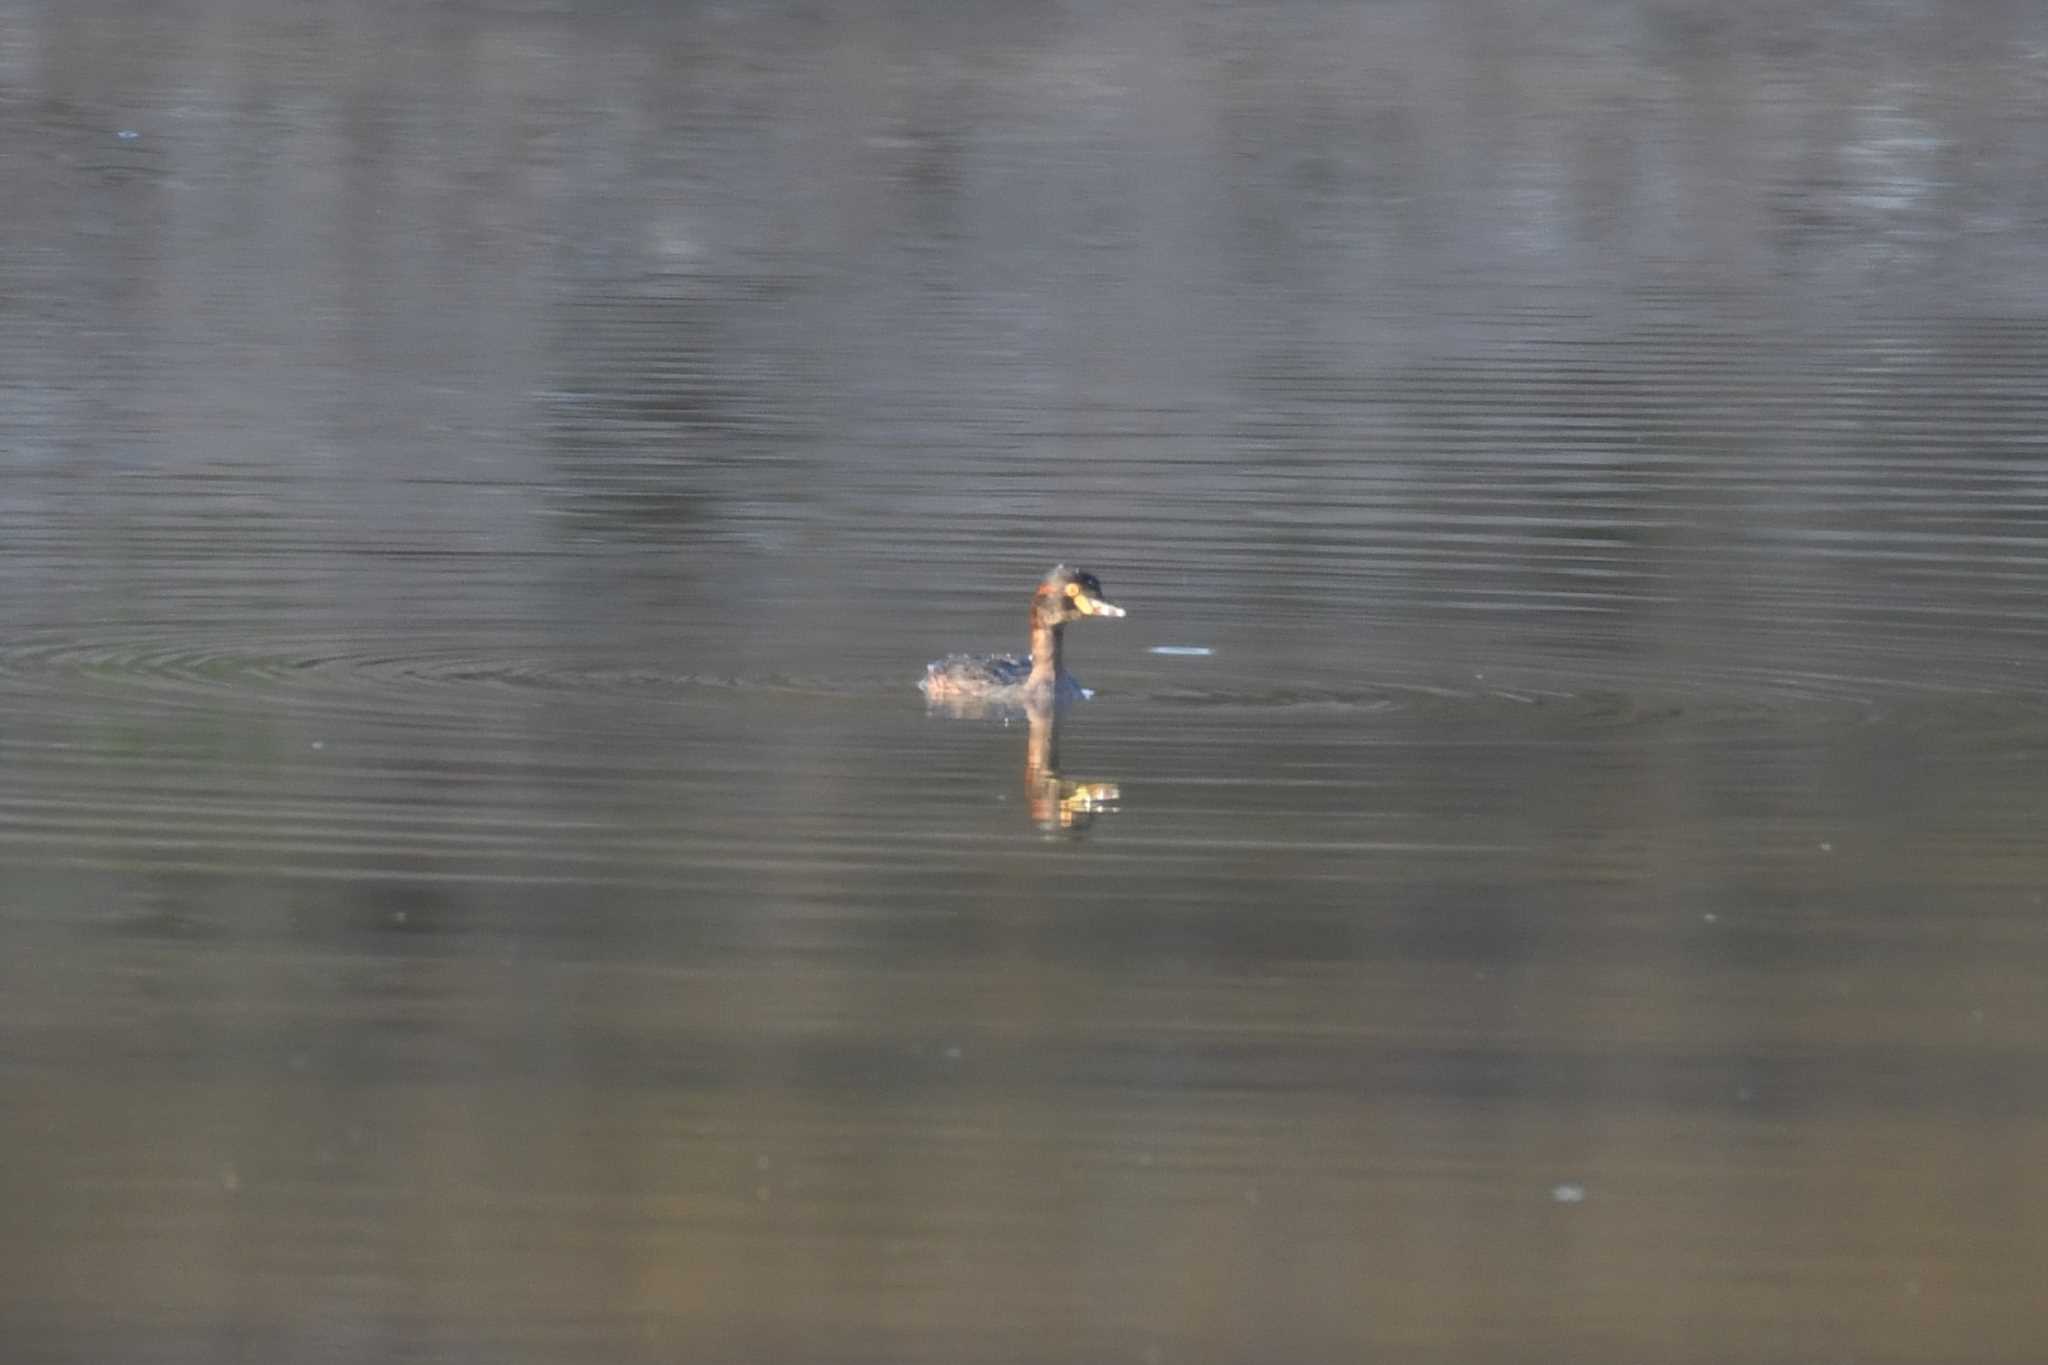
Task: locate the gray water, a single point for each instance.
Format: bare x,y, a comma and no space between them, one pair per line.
478,485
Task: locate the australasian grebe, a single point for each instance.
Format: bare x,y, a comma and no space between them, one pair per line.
1065,595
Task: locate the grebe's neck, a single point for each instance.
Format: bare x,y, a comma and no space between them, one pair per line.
1045,650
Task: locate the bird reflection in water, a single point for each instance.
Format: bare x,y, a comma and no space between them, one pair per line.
1058,804
1038,688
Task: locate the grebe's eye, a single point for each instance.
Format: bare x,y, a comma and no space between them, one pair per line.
1073,589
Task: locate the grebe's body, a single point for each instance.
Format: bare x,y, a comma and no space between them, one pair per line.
1065,595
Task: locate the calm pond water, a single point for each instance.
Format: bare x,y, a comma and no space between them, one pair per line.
478,485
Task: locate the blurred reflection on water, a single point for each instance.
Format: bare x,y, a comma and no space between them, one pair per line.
478,485
1058,804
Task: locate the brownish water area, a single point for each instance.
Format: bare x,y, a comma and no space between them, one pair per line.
480,482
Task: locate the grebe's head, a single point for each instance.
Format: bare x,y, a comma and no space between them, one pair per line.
1070,594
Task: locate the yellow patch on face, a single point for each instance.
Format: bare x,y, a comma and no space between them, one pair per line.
1073,589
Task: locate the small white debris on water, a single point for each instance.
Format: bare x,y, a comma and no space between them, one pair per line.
1569,1194
127,135
1710,917
1184,651
1826,847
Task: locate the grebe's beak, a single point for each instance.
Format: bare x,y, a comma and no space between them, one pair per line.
1095,606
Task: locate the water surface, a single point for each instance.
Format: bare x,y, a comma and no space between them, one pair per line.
478,486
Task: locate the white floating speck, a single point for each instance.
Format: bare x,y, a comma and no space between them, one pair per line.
127,135
1569,1194
1184,651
